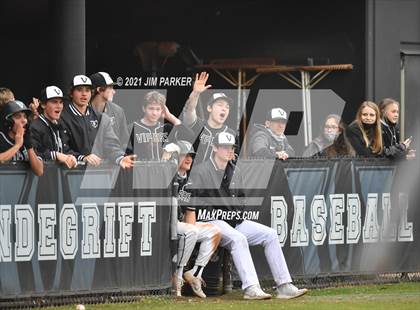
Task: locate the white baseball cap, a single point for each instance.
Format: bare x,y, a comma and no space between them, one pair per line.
224,138
276,114
50,92
81,80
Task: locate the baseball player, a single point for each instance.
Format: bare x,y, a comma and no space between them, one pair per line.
50,138
15,137
218,111
102,96
149,135
268,140
91,135
219,184
190,231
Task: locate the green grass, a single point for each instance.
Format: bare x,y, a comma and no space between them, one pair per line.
386,296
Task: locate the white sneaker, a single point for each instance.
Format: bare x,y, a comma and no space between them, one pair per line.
289,291
195,283
254,292
177,284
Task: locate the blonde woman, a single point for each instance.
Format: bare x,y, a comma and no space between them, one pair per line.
364,133
393,147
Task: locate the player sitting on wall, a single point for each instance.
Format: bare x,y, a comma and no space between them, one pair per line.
190,231
219,185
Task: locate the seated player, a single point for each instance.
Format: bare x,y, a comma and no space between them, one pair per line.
268,140
50,138
15,137
190,231
91,135
219,185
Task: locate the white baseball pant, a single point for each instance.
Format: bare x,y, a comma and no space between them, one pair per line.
237,240
188,234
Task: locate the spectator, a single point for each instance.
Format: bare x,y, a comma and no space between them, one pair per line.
50,138
364,133
91,135
340,146
149,135
393,148
190,231
15,138
268,140
218,108
330,132
219,184
102,96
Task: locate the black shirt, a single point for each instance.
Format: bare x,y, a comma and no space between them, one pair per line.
49,138
206,134
218,188
6,143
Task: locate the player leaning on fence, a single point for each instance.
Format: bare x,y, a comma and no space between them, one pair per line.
150,134
50,137
15,136
91,135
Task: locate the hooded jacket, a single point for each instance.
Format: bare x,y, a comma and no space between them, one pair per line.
264,144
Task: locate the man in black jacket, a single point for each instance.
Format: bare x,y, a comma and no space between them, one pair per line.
49,137
91,135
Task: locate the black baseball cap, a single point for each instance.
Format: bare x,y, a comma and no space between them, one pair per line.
50,92
101,79
13,107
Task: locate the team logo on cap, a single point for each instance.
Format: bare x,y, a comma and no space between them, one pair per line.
94,123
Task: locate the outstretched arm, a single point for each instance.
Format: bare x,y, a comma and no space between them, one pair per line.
190,114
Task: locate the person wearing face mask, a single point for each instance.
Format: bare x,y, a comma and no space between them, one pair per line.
393,148
340,146
268,140
364,133
15,137
330,132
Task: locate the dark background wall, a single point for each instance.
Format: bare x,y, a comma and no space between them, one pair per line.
289,31
43,43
